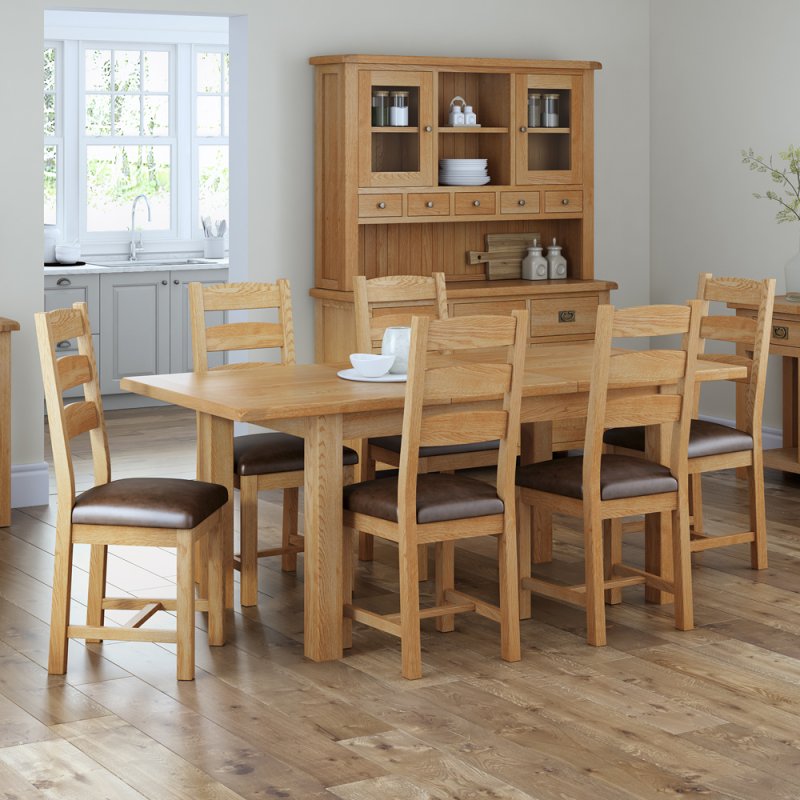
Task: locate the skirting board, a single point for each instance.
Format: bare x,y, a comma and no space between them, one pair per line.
30,485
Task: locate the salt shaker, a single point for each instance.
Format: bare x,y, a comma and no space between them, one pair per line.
456,117
534,265
556,263
470,117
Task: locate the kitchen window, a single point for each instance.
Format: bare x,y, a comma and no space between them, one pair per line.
52,129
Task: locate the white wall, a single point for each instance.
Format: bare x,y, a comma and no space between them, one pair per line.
724,78
273,207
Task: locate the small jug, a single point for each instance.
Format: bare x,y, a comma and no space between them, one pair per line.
456,117
396,342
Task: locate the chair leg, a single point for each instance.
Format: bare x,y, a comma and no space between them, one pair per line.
366,542
291,504
612,547
62,588
410,638
97,587
422,561
509,593
185,606
248,544
201,556
215,547
696,502
444,574
758,515
595,606
682,569
347,586
524,550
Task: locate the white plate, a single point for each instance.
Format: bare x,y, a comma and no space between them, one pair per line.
465,162
389,377
445,174
465,181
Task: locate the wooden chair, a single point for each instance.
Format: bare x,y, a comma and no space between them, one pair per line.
261,461
157,512
713,446
447,403
379,304
600,487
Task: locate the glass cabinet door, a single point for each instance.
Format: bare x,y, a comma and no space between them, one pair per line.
549,129
395,128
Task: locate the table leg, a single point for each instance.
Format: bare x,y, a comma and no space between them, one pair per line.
536,444
790,401
658,527
5,429
323,538
215,464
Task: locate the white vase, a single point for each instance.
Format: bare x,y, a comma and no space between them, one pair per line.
396,342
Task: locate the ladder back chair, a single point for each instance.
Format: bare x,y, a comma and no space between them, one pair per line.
650,387
448,401
714,446
261,461
157,512
390,301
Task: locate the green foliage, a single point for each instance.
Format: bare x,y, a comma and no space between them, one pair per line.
787,179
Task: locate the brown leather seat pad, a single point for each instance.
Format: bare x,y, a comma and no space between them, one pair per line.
267,453
620,476
705,439
439,498
149,503
393,443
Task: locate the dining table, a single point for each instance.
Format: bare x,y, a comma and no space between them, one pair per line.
312,401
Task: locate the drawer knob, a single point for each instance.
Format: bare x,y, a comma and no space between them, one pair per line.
780,332
63,345
428,128
381,204
565,201
521,202
164,282
176,281
429,204
476,203
522,129
63,282
566,316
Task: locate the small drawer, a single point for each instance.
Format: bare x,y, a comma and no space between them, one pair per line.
428,205
563,316
519,202
380,205
476,203
785,333
563,202
488,307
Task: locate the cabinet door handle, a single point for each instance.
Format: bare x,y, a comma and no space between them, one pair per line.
522,129
381,204
63,282
429,204
176,281
476,203
164,283
428,128
780,332
566,316
64,345
521,202
565,201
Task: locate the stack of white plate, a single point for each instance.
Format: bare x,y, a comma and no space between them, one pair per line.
463,171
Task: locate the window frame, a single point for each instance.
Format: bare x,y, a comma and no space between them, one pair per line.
57,139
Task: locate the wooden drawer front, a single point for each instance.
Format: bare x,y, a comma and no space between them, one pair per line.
380,205
488,307
785,332
476,203
563,316
428,205
563,202
519,202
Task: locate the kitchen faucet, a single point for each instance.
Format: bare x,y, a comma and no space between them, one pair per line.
134,248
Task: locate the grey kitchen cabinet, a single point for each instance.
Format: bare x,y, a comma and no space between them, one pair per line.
144,323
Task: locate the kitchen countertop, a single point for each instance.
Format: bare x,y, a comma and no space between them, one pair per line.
127,266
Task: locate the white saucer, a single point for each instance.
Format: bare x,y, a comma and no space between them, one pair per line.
389,377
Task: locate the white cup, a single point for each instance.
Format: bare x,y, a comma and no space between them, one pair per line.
396,342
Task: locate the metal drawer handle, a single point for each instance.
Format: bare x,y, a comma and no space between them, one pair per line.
566,316
381,204
565,201
64,345
780,332
521,202
429,204
476,203
63,282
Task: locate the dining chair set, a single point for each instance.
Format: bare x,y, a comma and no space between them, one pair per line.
643,453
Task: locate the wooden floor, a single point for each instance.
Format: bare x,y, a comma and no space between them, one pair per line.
712,712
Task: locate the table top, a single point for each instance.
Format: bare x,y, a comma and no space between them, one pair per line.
307,390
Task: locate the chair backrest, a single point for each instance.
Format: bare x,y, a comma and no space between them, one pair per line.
240,335
750,335
642,387
462,397
382,303
68,420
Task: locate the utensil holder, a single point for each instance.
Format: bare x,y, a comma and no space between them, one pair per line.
214,247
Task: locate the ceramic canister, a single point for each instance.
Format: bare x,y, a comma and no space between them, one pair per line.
396,342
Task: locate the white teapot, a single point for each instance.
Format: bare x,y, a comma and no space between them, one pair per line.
396,342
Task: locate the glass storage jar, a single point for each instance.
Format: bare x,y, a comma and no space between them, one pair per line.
534,110
380,108
398,109
551,110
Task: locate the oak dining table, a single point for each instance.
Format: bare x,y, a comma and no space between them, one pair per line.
311,401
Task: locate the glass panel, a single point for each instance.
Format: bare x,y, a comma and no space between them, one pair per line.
98,115
49,115
126,70
209,72
226,116
156,71
50,184
49,69
156,115
209,116
97,70
395,152
115,174
549,135
126,115
213,181
226,72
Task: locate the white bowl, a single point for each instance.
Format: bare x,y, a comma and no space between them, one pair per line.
68,253
371,365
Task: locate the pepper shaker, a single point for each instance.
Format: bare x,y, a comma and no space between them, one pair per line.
534,265
556,263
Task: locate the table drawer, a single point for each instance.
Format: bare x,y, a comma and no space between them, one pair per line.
428,205
488,307
519,202
380,205
476,203
563,202
563,316
785,332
